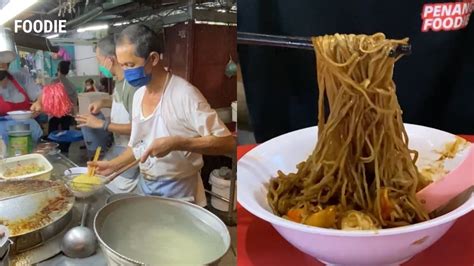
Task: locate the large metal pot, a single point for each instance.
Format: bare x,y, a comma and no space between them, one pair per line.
155,230
119,196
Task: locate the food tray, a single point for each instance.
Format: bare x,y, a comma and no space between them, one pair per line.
23,160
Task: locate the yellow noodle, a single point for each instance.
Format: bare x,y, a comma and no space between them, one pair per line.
361,160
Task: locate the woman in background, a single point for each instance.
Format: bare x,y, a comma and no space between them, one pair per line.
17,91
64,122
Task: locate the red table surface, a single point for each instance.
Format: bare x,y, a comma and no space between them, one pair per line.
258,243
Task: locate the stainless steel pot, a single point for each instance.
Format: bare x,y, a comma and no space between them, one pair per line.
119,196
8,49
152,217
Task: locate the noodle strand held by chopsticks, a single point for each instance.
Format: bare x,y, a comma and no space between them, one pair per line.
361,160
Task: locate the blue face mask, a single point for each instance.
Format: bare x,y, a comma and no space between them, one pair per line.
137,76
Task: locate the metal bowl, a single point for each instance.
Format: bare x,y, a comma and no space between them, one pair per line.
47,148
155,230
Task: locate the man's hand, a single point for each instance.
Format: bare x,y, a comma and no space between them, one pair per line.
160,147
95,107
103,168
89,120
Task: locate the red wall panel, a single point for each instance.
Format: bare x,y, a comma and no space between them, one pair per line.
213,46
200,53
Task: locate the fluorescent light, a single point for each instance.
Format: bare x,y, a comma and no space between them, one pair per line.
92,28
13,8
52,36
121,23
215,23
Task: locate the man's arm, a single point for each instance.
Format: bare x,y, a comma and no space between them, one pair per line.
207,145
123,159
122,129
91,121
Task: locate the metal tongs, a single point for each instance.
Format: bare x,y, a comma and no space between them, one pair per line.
304,43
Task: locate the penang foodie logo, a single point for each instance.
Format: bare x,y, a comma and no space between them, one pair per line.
40,26
446,16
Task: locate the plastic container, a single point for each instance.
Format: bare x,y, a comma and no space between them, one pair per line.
26,159
220,181
20,141
3,148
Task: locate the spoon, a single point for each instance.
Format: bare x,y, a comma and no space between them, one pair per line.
440,192
80,241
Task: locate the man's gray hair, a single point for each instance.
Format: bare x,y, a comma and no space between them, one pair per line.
143,38
107,46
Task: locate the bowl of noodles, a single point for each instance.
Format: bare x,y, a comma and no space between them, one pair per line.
83,185
344,192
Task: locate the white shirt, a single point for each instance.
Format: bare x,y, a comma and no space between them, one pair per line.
119,114
182,111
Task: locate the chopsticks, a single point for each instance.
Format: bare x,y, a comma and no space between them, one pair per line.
304,43
112,176
91,170
274,40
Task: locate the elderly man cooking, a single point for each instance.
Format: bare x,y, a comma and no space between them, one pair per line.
121,110
172,123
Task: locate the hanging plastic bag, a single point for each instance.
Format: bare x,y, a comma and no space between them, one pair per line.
231,68
55,100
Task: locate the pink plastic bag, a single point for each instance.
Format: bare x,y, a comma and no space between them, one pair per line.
55,100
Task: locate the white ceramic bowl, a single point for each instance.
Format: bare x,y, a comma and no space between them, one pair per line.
336,247
20,115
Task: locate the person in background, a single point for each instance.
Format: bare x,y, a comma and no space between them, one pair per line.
17,91
89,86
106,85
121,108
434,83
172,123
63,71
64,122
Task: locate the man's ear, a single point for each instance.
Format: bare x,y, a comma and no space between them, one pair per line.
155,58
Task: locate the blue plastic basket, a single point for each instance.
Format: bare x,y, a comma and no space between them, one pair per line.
66,136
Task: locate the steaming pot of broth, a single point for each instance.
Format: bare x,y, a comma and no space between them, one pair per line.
159,231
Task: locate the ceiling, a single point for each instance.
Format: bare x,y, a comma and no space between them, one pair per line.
120,13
